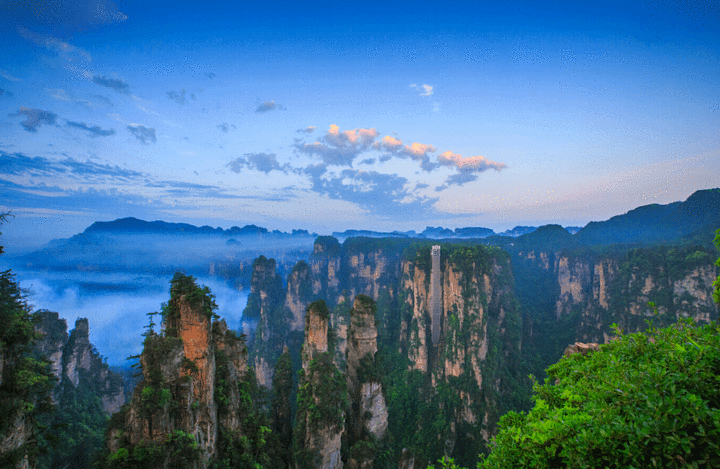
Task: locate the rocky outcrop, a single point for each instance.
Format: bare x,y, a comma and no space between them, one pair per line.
231,359
75,362
573,279
54,336
579,347
189,400
692,293
601,291
177,392
415,327
495,310
263,318
367,414
325,263
298,295
479,333
18,433
322,397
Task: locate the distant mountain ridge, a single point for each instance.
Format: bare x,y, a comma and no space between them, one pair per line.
694,220
132,225
432,232
135,225
108,245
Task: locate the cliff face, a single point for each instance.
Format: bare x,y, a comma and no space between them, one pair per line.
322,397
18,432
474,340
188,410
600,291
263,318
177,392
75,362
367,415
231,364
480,328
299,294
326,262
500,317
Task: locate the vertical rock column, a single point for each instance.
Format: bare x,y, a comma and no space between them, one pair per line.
264,309
194,328
367,417
322,397
325,263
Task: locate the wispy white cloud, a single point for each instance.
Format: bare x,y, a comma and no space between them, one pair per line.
7,76
423,90
73,59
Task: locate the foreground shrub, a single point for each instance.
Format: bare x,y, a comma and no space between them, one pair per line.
648,399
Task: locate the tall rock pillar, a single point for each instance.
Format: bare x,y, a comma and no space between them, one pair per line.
367,415
322,397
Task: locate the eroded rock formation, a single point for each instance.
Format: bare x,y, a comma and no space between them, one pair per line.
188,410
367,412
322,397
75,362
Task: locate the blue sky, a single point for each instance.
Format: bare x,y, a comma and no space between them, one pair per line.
329,116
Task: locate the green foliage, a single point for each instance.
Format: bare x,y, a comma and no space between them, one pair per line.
366,302
446,463
77,427
716,283
320,307
329,244
185,285
322,399
189,365
647,399
154,398
281,410
179,450
26,378
369,370
251,444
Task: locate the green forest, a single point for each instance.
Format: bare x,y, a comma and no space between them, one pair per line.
649,397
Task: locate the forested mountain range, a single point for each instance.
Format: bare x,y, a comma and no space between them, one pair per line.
348,356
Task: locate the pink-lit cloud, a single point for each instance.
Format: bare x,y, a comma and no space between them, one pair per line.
470,164
338,147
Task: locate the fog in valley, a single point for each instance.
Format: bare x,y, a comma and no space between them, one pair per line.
116,305
114,280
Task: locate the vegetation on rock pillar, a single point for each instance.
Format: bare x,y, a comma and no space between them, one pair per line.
25,378
281,409
322,399
184,285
